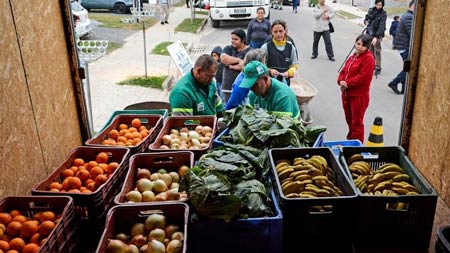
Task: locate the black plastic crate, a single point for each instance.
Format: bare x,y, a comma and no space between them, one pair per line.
381,227
252,235
308,230
443,240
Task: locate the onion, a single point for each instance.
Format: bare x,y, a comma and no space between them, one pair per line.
157,234
143,173
167,139
195,142
182,170
137,229
174,131
155,246
199,129
117,246
175,246
170,229
194,135
177,236
206,130
155,220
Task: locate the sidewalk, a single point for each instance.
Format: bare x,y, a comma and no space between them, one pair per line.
128,61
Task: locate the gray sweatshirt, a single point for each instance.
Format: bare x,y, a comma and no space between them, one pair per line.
320,24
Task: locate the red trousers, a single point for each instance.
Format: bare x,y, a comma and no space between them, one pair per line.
354,109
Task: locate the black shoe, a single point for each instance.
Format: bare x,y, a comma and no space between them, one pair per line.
314,57
394,88
162,23
331,58
377,72
166,22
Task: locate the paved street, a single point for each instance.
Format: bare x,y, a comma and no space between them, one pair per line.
326,106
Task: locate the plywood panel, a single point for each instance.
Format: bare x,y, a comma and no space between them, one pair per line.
21,160
46,63
430,132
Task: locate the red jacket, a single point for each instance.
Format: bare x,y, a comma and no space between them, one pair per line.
358,73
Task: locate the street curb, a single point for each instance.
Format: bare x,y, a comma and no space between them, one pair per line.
203,25
167,84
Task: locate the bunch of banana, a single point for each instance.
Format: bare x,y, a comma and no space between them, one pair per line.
387,180
306,178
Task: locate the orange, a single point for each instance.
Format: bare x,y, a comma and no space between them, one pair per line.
144,133
74,191
13,228
29,228
30,248
12,251
137,135
78,162
96,171
55,190
86,191
65,184
37,216
123,132
136,141
91,186
16,244
132,129
100,179
129,135
36,238
122,139
141,128
83,175
123,126
15,212
68,172
113,134
20,218
4,245
46,228
136,123
47,216
74,183
90,180
112,167
102,157
91,164
56,185
5,218
121,144
74,169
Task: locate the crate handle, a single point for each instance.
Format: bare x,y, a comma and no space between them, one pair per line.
39,205
145,213
370,156
161,160
320,209
398,206
191,122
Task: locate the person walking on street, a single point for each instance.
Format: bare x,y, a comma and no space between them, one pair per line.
375,21
281,54
164,12
393,29
232,58
258,29
322,15
269,93
401,43
295,4
195,93
354,81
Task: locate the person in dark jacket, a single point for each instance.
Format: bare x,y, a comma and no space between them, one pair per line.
354,81
393,29
258,29
216,52
401,43
375,21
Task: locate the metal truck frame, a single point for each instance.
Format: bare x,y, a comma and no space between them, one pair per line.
236,10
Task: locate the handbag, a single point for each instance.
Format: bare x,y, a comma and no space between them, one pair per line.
330,25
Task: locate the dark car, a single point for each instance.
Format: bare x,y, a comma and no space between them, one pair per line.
119,6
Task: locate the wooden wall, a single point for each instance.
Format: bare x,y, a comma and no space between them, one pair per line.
429,146
39,122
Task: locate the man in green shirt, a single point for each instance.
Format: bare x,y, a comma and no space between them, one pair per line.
269,93
195,93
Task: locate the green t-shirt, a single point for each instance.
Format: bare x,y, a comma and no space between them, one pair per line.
280,100
189,98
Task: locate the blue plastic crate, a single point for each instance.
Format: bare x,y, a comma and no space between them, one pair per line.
162,112
217,142
253,235
337,145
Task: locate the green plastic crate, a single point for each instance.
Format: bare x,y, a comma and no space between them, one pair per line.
163,112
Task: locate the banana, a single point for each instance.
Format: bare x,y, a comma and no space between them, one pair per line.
411,188
379,188
323,193
319,178
299,160
302,177
412,193
389,175
364,166
282,164
281,169
385,166
401,177
297,173
315,172
321,183
397,184
283,161
322,160
354,158
305,182
392,168
314,161
292,195
387,183
285,173
290,187
370,187
285,181
308,194
400,191
376,178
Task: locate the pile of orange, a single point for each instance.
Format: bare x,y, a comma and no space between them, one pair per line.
85,177
127,135
22,234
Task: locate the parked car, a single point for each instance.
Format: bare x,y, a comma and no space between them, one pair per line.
81,22
119,6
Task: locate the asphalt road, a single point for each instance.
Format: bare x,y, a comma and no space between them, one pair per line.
325,107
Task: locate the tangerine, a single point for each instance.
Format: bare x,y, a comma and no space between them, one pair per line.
102,157
46,227
36,238
74,183
47,216
69,172
144,133
29,228
113,166
91,186
132,129
123,126
78,162
122,139
13,228
5,218
16,244
83,175
30,248
113,134
91,164
56,185
4,245
100,179
20,218
136,123
15,212
95,172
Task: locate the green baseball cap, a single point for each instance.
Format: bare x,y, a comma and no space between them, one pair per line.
252,71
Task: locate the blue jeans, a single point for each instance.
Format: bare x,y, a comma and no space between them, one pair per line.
256,44
401,77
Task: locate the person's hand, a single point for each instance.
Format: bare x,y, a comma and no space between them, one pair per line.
274,72
374,41
343,85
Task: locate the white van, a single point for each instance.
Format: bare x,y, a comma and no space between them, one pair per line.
236,10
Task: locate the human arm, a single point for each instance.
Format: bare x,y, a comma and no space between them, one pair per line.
249,31
227,59
238,94
382,26
317,12
294,65
331,12
364,72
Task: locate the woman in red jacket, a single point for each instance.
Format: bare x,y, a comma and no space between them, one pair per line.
354,81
